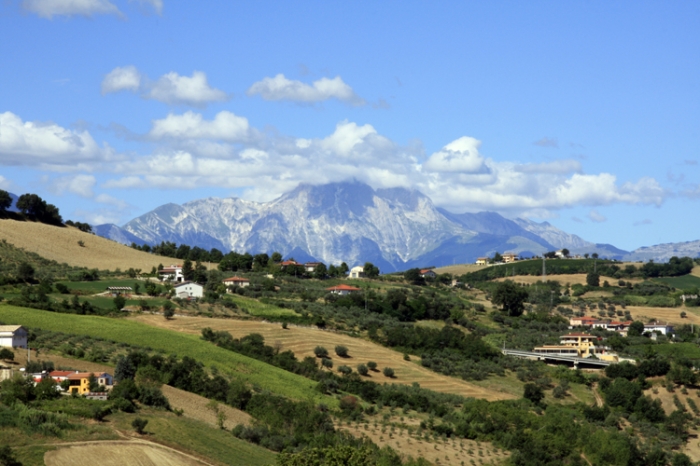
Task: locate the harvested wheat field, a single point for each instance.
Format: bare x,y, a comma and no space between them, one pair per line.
459,269
60,362
692,447
61,245
119,453
303,340
670,315
196,407
451,451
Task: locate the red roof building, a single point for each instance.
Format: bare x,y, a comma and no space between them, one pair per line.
342,289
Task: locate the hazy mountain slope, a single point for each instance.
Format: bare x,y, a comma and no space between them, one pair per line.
663,252
115,233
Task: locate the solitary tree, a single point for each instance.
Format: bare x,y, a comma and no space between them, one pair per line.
533,393
119,302
593,279
510,297
341,351
187,270
168,310
565,252
370,270
321,352
139,425
5,200
388,372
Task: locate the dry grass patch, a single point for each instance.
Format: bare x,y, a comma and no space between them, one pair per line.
197,407
60,361
119,453
665,314
571,279
303,340
61,245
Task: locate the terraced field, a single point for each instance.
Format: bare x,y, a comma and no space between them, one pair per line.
303,340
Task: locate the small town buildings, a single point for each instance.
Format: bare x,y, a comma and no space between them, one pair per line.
357,272
60,376
482,261
509,257
288,263
236,281
310,267
80,381
428,273
13,336
189,290
342,290
172,273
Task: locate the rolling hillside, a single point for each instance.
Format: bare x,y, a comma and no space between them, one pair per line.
61,245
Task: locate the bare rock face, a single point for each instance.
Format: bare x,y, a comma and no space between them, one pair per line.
349,222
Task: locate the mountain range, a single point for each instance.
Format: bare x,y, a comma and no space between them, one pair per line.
351,222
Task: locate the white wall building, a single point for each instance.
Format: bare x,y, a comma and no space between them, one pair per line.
13,336
189,290
172,273
357,272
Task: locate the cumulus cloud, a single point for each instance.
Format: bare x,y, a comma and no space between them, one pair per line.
125,78
225,126
460,156
81,185
50,8
556,167
24,143
596,216
547,142
4,183
171,88
281,88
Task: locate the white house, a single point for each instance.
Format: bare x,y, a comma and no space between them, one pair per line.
357,272
236,281
342,290
13,336
311,266
663,329
172,273
189,290
482,261
428,273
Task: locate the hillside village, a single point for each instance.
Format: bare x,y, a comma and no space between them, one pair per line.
400,362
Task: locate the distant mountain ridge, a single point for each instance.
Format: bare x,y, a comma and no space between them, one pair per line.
350,222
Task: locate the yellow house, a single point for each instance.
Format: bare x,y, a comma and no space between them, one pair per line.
80,381
573,344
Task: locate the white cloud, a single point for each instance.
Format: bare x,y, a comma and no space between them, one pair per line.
47,145
126,78
157,5
77,184
281,88
225,126
459,156
173,89
596,216
556,167
50,8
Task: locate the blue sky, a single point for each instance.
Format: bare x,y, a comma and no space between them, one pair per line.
584,114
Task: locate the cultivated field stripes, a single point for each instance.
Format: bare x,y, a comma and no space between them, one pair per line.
272,378
197,407
303,340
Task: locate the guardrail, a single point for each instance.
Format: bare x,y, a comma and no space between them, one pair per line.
575,360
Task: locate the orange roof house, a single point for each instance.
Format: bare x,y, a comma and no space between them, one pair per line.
342,289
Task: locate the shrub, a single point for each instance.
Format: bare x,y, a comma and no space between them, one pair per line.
7,354
61,288
327,363
345,370
321,352
372,365
362,369
341,351
388,372
168,310
139,425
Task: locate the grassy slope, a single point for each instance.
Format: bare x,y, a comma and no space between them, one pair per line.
255,372
61,245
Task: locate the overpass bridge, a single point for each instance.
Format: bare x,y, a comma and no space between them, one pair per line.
559,358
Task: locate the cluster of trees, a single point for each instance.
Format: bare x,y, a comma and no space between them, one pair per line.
80,226
673,268
33,207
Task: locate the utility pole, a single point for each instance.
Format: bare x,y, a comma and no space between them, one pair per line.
544,270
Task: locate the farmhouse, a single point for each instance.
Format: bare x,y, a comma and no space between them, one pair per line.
236,281
80,381
13,336
189,290
482,261
288,263
509,257
663,329
428,273
60,376
311,266
172,273
357,272
342,290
